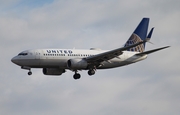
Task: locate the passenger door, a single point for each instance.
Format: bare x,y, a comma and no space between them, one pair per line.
37,55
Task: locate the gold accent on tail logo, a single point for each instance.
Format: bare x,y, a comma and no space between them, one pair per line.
133,40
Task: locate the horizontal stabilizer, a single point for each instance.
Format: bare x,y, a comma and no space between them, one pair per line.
151,51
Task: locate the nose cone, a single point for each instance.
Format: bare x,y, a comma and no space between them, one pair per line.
14,60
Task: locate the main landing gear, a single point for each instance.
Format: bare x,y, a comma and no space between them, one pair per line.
78,76
91,72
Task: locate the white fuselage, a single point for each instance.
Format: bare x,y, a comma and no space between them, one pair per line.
57,58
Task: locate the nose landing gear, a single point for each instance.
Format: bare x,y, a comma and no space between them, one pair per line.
29,73
27,68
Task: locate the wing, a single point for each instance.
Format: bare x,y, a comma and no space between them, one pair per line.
151,51
97,59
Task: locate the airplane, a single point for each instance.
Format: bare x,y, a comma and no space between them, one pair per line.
57,61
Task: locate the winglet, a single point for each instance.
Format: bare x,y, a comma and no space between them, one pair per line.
150,33
149,36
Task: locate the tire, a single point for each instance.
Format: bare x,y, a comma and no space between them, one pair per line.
30,73
77,76
91,72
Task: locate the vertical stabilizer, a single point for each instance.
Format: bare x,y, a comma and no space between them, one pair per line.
138,35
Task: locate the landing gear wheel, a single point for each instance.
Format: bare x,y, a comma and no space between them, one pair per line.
29,73
76,76
91,72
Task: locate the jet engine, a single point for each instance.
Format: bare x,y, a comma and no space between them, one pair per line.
77,64
53,71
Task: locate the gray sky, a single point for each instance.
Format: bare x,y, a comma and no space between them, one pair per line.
149,87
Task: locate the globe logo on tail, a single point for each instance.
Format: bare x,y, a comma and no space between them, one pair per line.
133,40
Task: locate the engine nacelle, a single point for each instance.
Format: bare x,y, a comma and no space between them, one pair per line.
77,64
53,71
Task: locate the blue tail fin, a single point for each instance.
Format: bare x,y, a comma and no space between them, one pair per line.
138,35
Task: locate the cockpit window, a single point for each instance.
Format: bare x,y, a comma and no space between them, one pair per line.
23,54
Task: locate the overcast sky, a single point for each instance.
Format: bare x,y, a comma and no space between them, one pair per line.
150,87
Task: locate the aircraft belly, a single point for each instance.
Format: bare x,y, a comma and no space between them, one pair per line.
42,63
53,63
29,62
